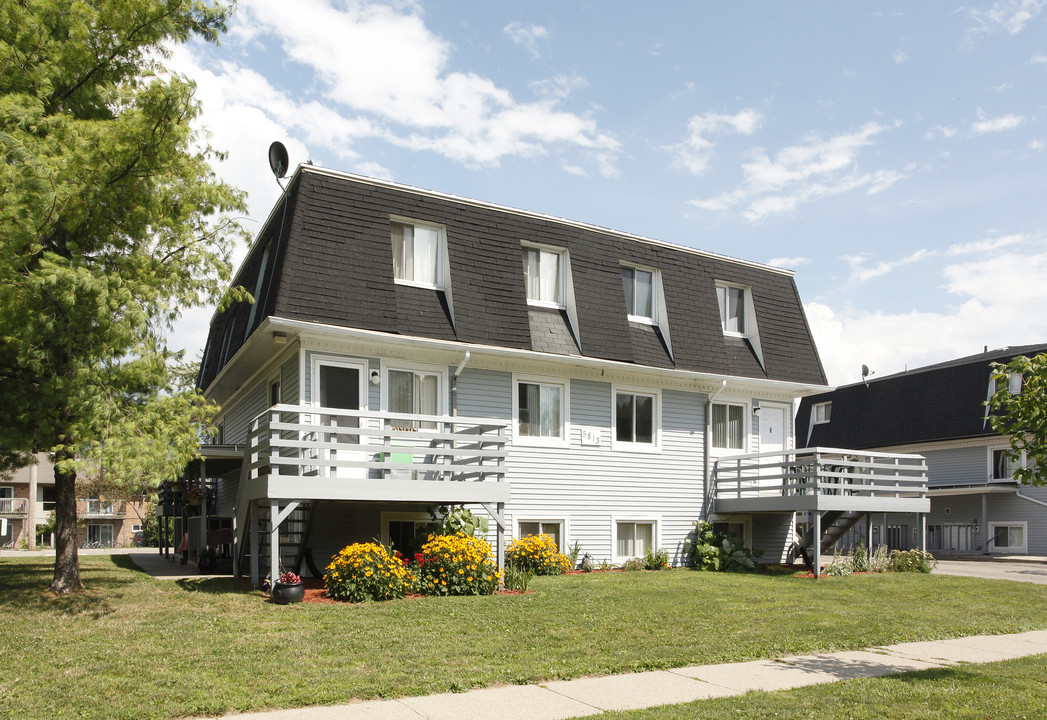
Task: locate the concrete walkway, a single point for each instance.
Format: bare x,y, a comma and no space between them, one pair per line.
594,695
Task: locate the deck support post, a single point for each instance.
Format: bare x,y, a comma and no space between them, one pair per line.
500,542
985,524
252,551
817,518
923,531
869,534
274,541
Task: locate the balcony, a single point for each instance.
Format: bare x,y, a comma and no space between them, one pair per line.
14,507
821,480
100,509
326,453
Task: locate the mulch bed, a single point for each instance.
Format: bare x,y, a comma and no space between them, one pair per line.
316,593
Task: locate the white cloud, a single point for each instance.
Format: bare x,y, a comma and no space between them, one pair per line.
377,72
1038,60
788,262
1011,16
819,168
944,131
983,315
899,57
558,87
694,153
996,124
1036,145
526,36
987,245
861,273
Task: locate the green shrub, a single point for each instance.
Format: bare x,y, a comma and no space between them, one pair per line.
880,562
656,559
366,571
860,558
517,579
713,551
457,565
840,565
538,554
634,564
912,561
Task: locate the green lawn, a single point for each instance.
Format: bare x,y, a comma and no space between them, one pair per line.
993,691
135,647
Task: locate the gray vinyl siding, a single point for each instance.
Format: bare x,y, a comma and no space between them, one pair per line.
957,466
1003,508
238,417
485,393
228,485
772,533
290,387
591,488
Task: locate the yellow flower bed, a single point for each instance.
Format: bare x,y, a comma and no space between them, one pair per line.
537,554
366,571
457,565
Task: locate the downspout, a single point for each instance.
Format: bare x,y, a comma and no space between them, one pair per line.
709,447
454,383
1032,500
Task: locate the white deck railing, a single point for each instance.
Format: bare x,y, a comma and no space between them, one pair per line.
816,473
306,441
14,506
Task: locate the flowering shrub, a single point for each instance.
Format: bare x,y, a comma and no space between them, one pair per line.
538,554
457,565
912,561
366,571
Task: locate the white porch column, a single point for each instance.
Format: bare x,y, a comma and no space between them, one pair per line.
869,533
274,540
923,531
252,551
500,544
817,543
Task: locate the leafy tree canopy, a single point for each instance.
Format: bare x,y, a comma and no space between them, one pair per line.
113,221
1023,414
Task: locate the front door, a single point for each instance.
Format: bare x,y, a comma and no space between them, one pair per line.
339,385
772,428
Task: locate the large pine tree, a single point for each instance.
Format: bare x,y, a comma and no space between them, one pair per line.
111,220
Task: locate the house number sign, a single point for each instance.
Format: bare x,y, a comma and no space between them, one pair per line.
590,437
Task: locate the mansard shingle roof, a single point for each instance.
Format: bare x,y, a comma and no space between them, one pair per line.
938,402
332,257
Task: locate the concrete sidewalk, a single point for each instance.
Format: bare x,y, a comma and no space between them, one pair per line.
591,696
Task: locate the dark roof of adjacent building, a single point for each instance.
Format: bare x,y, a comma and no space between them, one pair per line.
327,250
928,404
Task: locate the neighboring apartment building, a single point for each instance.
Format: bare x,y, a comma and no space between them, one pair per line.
409,349
105,523
939,412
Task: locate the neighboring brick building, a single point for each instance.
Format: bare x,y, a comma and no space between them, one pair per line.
107,523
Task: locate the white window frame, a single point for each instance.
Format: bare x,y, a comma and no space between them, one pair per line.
439,370
564,439
656,533
656,421
826,417
441,253
543,520
746,300
992,450
561,259
653,318
746,427
112,534
1022,549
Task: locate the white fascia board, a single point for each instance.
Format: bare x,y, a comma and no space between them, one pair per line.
738,384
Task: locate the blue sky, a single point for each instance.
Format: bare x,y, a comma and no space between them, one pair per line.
894,156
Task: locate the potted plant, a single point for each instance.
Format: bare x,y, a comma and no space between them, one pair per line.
207,560
288,589
195,495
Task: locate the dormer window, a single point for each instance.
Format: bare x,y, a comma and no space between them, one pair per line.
638,285
822,412
732,309
544,276
418,254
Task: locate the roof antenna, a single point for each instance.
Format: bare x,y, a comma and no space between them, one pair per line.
866,373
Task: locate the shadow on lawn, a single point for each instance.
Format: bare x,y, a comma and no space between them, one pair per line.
215,585
25,587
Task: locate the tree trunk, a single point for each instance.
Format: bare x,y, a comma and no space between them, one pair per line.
67,560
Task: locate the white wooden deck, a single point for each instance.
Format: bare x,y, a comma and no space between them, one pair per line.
820,480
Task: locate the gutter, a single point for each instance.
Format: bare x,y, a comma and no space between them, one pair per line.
709,447
454,383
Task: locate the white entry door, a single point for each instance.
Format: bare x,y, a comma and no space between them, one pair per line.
340,385
772,428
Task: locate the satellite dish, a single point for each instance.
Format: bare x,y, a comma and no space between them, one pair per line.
865,371
278,161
